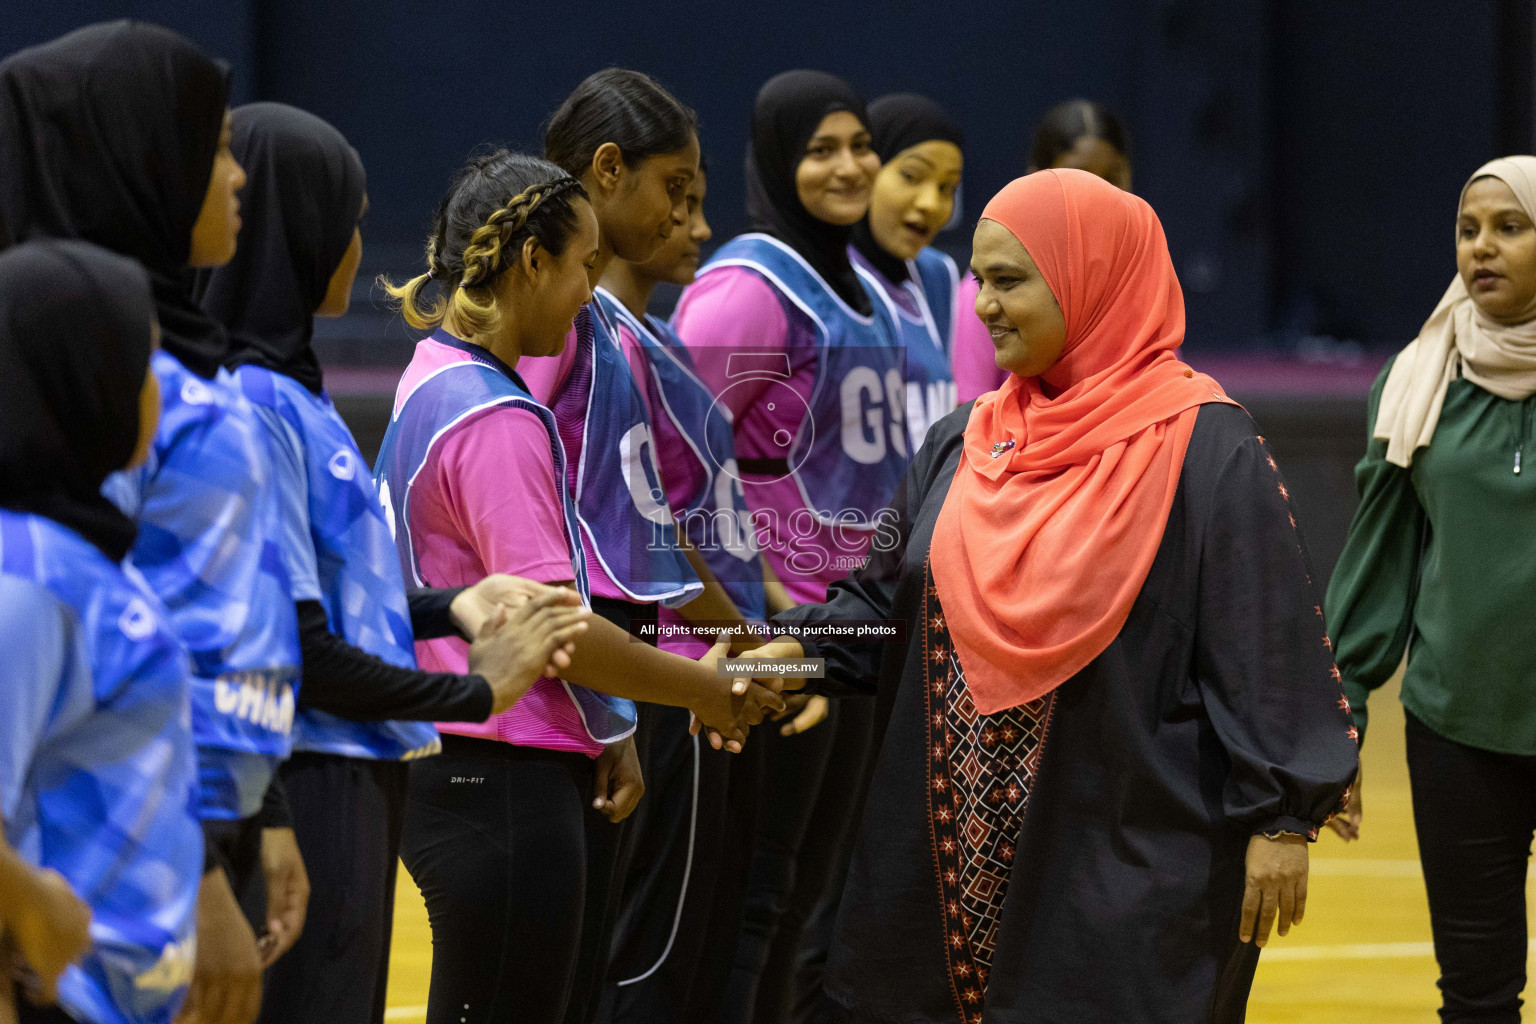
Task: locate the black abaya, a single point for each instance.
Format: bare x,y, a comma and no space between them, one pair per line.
1102,830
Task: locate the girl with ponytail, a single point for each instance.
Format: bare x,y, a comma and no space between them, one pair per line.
691,839
635,150
807,359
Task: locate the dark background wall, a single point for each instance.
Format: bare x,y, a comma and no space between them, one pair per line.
1304,155
1379,113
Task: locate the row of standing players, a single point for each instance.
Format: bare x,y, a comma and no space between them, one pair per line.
163,596
259,554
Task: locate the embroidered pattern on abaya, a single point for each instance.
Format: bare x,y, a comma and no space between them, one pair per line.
981,769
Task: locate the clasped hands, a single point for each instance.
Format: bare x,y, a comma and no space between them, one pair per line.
750,694
520,630
523,630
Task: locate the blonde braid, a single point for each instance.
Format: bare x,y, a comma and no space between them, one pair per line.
471,300
482,256
407,297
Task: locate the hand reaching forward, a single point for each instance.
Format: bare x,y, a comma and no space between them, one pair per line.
474,605
780,648
516,646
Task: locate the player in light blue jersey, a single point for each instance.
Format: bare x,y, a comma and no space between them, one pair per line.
116,134
365,711
97,772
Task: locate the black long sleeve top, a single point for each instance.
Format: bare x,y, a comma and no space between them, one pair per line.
348,682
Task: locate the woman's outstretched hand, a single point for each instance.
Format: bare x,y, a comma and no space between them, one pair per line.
779,648
1276,891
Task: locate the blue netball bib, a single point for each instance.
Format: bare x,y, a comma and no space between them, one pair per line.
931,289
717,521
850,451
620,501
207,517
356,571
437,404
97,770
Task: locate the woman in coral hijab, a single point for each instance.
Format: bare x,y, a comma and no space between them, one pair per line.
1115,719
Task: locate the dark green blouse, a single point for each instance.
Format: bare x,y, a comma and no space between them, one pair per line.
1441,563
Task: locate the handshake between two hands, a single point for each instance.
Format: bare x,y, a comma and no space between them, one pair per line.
755,697
522,630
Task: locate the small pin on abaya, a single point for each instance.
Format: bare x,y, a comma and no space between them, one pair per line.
1001,447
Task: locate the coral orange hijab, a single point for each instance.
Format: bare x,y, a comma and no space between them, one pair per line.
1039,553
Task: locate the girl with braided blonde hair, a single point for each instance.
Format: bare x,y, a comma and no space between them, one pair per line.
503,831
468,275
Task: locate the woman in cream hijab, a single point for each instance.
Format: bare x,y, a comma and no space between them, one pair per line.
1441,563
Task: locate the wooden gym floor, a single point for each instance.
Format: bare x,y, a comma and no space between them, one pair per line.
1362,956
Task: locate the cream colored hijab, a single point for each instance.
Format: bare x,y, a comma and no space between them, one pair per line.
1498,359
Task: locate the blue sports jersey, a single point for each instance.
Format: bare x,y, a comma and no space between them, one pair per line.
207,513
851,451
717,520
338,550
97,769
616,484
930,289
436,405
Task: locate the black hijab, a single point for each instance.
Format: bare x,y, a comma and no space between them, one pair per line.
75,336
788,110
898,122
110,136
302,199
